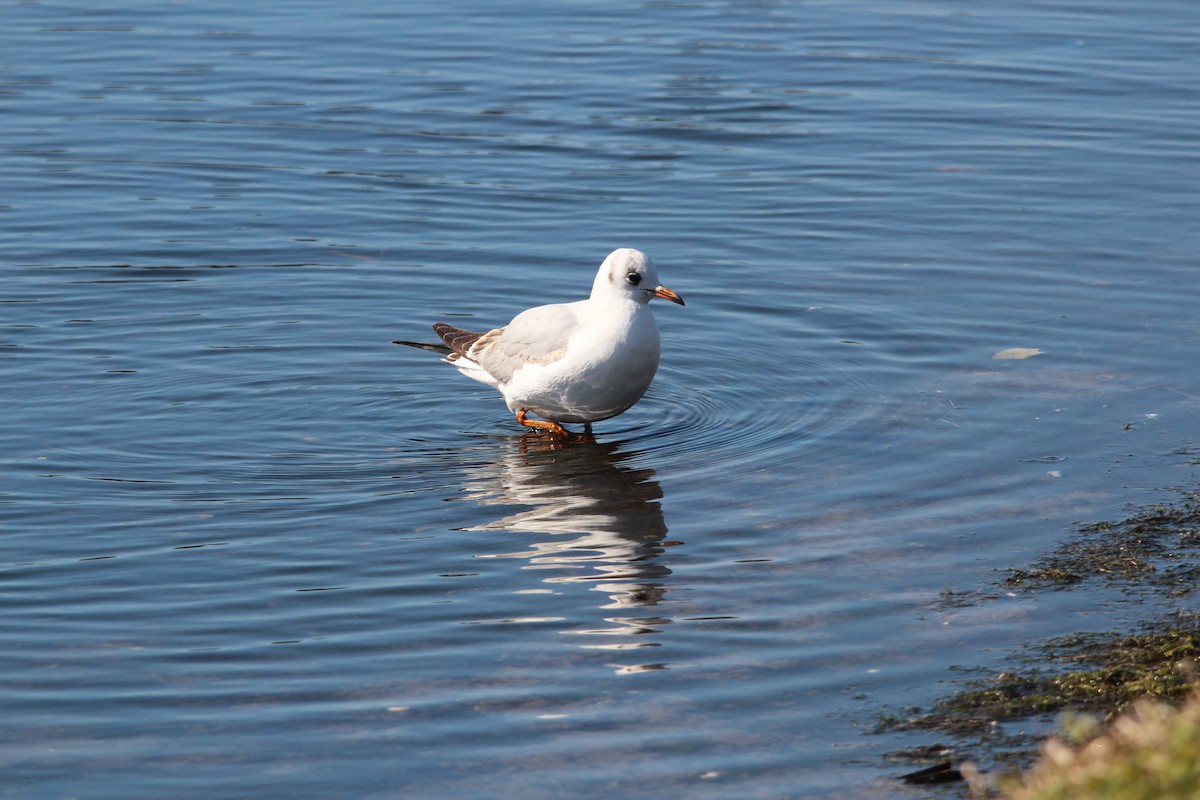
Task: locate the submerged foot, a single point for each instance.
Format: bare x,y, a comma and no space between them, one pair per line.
556,431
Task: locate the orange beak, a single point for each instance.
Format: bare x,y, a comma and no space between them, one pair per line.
666,294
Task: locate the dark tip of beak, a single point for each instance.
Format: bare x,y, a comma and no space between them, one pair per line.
667,294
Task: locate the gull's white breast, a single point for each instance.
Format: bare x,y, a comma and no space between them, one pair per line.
607,367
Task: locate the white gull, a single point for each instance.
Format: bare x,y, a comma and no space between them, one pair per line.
576,362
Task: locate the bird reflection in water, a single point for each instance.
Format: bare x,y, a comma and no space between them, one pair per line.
604,524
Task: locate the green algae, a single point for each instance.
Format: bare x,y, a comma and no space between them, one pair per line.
1154,551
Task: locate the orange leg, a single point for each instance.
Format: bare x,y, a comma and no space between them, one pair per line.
556,430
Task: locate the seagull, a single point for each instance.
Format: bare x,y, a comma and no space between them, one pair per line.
578,362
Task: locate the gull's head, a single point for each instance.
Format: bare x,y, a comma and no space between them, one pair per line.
629,273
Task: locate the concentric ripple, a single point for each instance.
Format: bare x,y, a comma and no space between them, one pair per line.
708,416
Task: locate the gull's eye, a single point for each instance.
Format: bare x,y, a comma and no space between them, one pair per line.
633,279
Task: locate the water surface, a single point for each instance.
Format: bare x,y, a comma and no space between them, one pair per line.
253,549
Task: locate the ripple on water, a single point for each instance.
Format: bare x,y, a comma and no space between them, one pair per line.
710,416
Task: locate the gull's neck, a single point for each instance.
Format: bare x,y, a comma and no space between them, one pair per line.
614,302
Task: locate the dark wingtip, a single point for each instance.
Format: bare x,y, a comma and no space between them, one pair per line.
436,348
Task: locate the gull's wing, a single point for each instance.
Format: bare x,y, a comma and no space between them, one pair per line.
537,336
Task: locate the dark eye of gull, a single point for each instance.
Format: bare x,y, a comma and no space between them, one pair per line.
633,278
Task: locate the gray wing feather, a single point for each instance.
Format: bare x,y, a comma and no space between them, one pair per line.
537,336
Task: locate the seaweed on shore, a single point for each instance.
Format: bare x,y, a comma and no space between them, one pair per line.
1106,673
1157,548
1099,673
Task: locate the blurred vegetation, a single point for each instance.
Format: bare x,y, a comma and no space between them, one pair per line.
1150,753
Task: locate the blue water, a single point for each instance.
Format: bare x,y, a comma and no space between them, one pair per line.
251,549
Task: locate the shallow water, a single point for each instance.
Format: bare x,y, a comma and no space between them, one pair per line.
252,548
